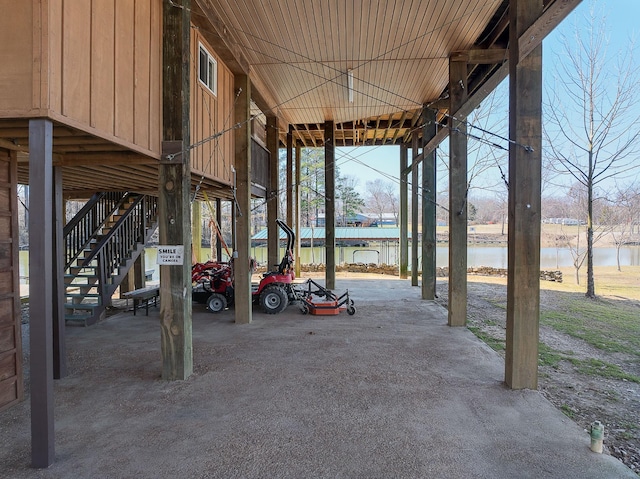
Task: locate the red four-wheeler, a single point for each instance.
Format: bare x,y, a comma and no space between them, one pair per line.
212,284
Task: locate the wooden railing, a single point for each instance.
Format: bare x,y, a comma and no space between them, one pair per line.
79,232
127,234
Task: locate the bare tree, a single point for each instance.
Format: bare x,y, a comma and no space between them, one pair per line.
591,128
620,213
378,199
393,199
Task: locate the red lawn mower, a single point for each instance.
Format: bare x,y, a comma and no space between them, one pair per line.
213,282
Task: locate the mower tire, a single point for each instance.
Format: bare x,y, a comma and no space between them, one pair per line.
273,299
216,303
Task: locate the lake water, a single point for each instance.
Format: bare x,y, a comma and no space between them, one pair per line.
494,256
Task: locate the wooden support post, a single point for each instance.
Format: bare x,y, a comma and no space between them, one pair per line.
139,271
41,279
330,205
428,208
127,284
457,197
219,221
404,211
414,211
196,230
291,198
135,278
234,218
525,160
273,194
12,338
174,213
58,292
243,312
297,198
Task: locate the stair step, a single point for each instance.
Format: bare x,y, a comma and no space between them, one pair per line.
81,259
82,295
70,278
82,275
78,270
82,289
78,318
81,306
72,303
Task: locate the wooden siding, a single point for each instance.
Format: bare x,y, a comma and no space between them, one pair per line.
92,65
105,65
11,389
211,114
16,51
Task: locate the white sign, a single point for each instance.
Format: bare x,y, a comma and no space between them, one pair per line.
173,254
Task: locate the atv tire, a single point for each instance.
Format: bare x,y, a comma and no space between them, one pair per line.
273,299
216,303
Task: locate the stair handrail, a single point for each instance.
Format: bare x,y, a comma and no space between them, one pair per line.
133,227
82,228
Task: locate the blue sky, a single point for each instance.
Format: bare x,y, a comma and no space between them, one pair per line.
622,21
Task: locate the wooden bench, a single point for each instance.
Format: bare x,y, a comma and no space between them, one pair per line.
143,295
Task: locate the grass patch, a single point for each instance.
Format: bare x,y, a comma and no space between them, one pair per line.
498,304
596,367
610,326
567,411
549,357
589,367
496,344
630,431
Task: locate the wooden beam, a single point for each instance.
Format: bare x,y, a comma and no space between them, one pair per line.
330,204
404,211
41,280
290,186
428,209
485,56
415,210
196,229
242,211
101,158
544,24
264,100
58,286
399,127
174,176
273,194
16,306
221,38
219,221
297,197
10,145
525,172
532,38
457,198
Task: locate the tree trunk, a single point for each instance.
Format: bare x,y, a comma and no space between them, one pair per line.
590,282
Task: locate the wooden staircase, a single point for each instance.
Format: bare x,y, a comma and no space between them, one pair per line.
102,243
